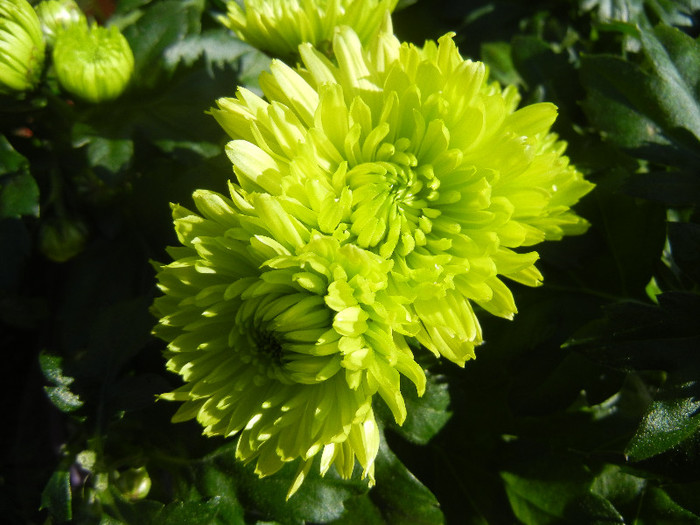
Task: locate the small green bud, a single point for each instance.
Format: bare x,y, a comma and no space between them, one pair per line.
60,240
57,15
93,63
134,483
87,459
21,46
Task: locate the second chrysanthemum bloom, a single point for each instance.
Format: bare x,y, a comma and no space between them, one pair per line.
283,335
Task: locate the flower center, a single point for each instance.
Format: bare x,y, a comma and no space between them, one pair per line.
267,344
391,203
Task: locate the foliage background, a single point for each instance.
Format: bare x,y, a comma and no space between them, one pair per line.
584,409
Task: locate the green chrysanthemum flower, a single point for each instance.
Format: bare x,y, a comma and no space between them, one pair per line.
417,157
94,63
21,46
279,26
57,15
282,334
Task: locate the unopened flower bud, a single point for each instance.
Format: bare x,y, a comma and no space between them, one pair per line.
21,46
93,63
57,15
134,483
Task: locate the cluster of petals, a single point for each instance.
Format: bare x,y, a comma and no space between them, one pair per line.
384,192
279,26
418,158
21,46
282,334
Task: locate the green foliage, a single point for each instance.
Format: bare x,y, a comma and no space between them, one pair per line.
19,194
583,409
59,394
565,498
56,497
426,415
394,482
649,106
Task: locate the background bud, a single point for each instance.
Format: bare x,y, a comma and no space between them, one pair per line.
57,15
61,240
134,483
21,46
93,63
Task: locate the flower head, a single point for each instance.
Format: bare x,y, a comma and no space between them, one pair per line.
94,63
279,26
21,46
282,334
57,15
417,157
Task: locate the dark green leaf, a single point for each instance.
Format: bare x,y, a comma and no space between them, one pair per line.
533,503
173,120
179,115
213,482
112,154
252,64
109,520
129,6
608,104
680,61
634,233
636,336
663,337
63,398
497,55
425,415
203,149
186,513
60,395
638,500
360,509
671,12
56,497
654,108
673,188
10,160
685,494
540,66
401,498
657,508
218,47
556,494
19,193
679,13
52,368
319,499
162,25
139,512
615,10
620,488
685,247
666,424
674,63
19,196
